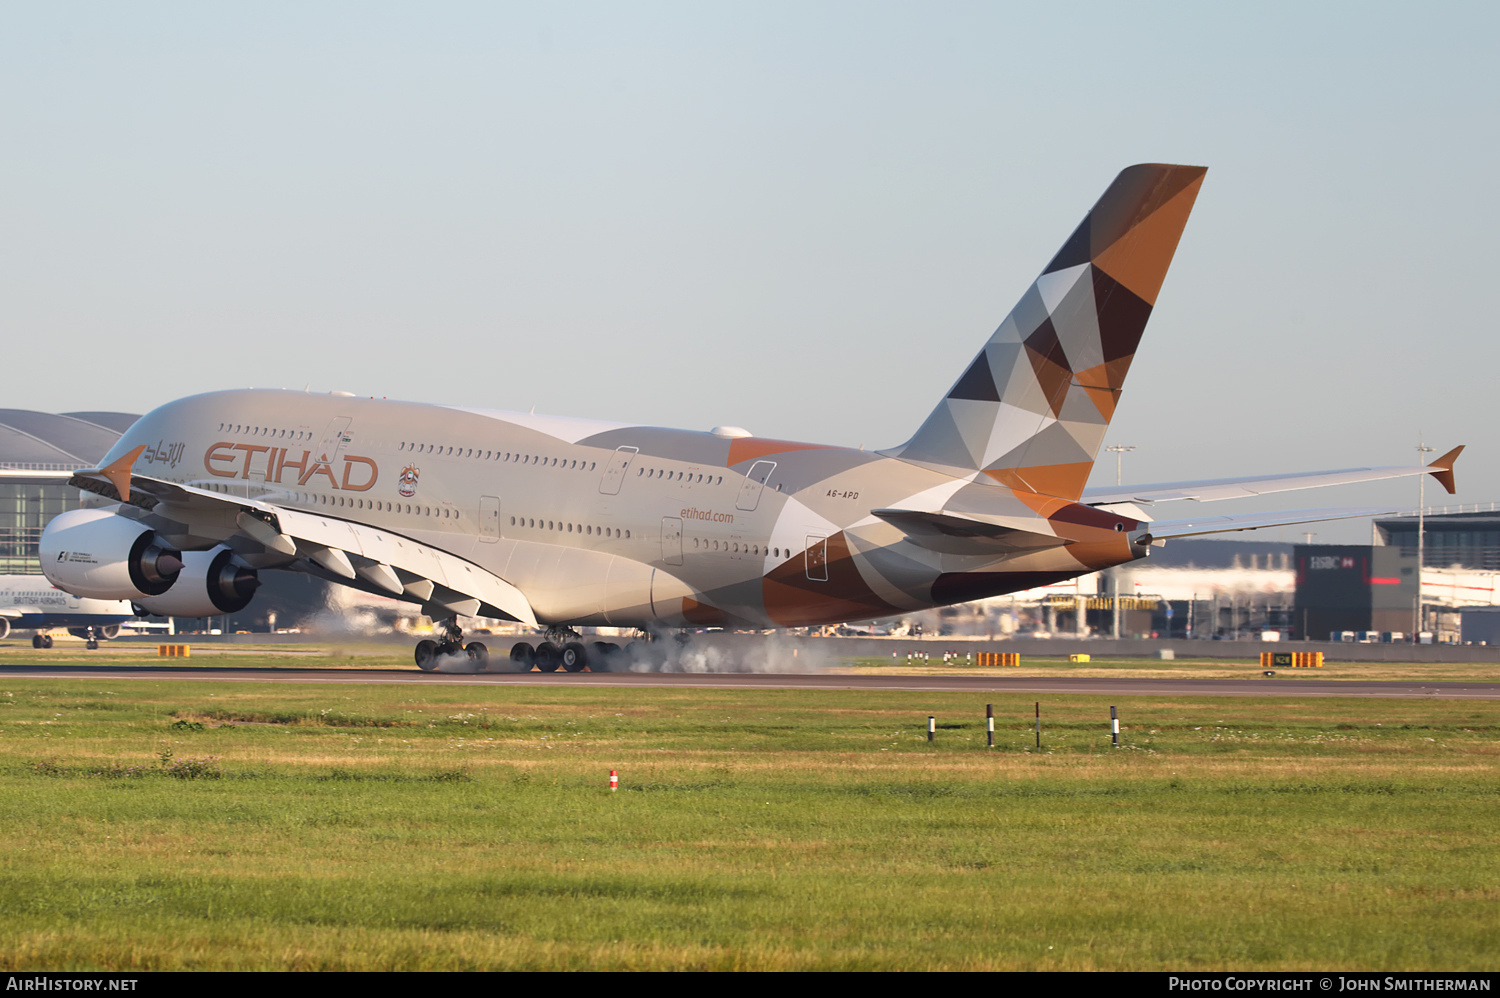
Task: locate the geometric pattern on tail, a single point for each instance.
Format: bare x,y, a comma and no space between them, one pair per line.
1032,408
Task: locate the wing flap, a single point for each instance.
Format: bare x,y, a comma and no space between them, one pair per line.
380,552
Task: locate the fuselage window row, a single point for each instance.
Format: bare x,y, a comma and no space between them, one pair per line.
263,431
572,464
572,528
730,547
679,476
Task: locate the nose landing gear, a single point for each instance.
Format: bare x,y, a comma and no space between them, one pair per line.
451,649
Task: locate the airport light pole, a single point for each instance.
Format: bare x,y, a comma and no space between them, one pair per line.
1422,451
1119,450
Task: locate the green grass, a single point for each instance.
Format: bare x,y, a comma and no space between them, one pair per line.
368,828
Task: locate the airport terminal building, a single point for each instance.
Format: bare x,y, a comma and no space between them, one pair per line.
38,451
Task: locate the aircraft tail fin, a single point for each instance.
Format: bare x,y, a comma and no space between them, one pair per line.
1032,409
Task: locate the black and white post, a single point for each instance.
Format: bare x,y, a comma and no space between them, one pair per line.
989,723
1114,726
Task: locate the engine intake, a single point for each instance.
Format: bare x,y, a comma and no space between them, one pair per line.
99,554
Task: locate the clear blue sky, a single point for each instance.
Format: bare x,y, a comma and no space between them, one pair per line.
802,218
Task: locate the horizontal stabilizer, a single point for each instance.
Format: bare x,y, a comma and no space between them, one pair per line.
1215,489
1196,526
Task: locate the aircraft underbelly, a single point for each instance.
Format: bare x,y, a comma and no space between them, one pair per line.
583,587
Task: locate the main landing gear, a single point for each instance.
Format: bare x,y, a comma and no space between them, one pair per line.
565,648
451,649
40,640
657,651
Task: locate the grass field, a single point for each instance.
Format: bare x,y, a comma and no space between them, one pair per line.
164,825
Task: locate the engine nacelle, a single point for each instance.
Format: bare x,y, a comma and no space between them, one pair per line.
95,553
4,628
104,632
211,582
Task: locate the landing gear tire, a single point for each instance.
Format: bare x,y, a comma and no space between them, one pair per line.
46,641
602,656
91,645
575,657
427,655
36,641
548,658
478,654
521,657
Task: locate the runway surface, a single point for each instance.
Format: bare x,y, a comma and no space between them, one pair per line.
1263,687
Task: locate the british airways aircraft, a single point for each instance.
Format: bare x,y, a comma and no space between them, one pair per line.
567,522
30,601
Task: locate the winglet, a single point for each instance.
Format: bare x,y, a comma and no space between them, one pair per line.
118,472
1442,469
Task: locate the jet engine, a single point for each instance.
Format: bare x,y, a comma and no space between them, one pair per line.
4,628
104,632
211,582
95,553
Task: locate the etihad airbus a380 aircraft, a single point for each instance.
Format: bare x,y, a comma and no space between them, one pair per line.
569,522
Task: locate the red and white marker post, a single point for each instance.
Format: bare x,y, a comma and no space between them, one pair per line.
614,781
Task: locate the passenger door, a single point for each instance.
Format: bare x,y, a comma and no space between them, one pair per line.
335,439
755,483
671,540
614,474
489,518
817,558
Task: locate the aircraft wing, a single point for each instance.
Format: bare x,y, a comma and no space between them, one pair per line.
1241,488
58,476
272,536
